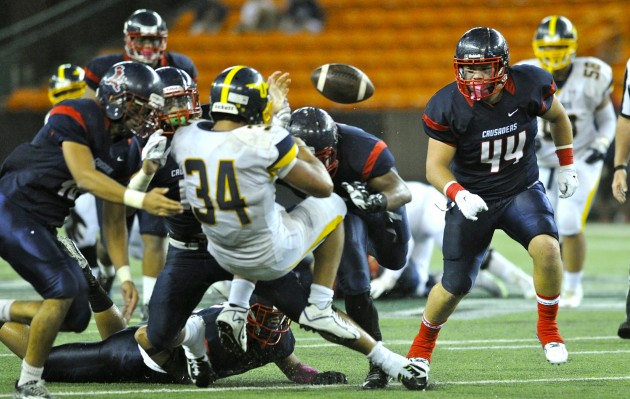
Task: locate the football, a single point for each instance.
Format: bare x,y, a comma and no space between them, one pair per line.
342,83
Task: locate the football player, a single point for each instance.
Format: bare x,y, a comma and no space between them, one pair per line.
145,38
118,358
252,236
584,88
620,184
426,220
39,182
362,170
482,156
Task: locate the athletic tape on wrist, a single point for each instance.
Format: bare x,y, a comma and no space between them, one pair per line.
133,198
123,274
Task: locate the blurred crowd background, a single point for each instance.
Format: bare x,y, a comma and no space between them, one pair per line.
405,46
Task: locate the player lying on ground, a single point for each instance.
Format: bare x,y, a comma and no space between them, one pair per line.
117,358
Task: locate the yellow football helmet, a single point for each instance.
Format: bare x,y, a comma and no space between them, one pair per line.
555,43
66,83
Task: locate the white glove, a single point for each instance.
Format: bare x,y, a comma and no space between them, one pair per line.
380,285
567,181
157,148
470,204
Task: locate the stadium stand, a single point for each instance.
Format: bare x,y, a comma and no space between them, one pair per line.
405,47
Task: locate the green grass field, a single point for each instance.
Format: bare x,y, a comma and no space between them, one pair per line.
488,349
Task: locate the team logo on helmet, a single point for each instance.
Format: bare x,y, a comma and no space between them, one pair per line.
118,80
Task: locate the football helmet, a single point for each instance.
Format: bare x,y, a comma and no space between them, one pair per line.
555,43
266,324
241,91
131,93
481,51
145,36
319,132
66,83
181,98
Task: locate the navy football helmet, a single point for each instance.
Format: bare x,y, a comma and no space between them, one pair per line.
145,36
266,324
131,93
181,98
481,50
319,132
66,83
555,43
242,92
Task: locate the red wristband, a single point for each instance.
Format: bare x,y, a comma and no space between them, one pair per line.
565,154
452,189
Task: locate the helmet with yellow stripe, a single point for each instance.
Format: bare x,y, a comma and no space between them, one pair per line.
555,43
66,83
241,93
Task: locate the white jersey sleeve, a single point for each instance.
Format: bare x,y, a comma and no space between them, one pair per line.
588,85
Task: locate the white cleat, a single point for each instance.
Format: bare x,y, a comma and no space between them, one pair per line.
327,320
231,323
415,375
571,299
556,353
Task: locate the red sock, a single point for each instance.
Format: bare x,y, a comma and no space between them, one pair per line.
424,343
547,326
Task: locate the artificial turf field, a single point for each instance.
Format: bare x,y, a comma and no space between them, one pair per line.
488,348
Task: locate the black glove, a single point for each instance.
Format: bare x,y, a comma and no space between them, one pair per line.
330,378
363,199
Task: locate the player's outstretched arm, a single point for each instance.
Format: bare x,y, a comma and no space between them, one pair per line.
301,373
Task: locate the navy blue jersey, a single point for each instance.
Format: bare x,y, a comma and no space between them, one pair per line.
496,155
118,359
184,226
97,67
361,156
229,363
35,176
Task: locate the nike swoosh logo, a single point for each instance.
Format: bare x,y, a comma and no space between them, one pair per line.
120,159
513,112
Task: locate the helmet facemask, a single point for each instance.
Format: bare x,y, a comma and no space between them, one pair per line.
180,106
145,49
266,324
493,70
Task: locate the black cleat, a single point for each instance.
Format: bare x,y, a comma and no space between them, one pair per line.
624,330
200,371
376,378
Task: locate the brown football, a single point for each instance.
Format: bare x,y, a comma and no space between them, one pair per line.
342,83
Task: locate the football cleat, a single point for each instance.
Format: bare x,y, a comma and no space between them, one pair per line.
327,320
556,353
231,323
32,390
201,372
376,378
571,299
624,330
415,375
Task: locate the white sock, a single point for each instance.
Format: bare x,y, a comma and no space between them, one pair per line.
30,373
240,292
5,309
320,296
390,362
505,270
572,280
148,283
106,270
194,342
